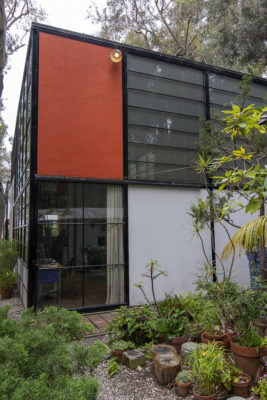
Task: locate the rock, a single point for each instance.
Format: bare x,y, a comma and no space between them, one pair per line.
236,398
108,355
187,348
134,358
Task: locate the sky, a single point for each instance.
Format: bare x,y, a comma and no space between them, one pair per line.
66,14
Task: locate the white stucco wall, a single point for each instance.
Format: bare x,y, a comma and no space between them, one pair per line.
160,228
240,269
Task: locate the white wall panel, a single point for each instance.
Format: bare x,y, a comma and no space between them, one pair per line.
160,228
240,268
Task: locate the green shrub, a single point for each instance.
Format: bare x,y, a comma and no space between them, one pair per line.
37,361
66,323
135,324
8,255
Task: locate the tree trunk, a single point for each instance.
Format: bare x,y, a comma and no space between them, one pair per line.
2,44
262,251
2,208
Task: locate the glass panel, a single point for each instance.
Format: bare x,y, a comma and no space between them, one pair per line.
163,120
164,86
61,287
164,69
60,202
95,203
60,244
153,101
159,154
163,172
95,244
95,286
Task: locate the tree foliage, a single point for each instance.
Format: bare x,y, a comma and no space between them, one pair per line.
220,32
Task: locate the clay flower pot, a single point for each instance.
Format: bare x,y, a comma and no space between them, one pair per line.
201,397
118,354
178,341
217,336
247,358
182,388
260,325
241,388
6,292
223,341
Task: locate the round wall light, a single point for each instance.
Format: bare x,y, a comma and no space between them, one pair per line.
116,55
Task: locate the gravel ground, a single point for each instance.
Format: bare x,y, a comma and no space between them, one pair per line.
16,304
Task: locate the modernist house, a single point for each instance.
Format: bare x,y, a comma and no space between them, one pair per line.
102,168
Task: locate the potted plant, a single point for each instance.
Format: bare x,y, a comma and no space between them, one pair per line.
209,367
247,350
240,384
119,346
183,382
7,282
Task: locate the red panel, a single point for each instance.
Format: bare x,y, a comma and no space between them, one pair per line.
79,111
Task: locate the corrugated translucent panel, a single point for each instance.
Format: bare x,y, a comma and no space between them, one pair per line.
157,119
228,98
166,70
165,103
155,101
228,84
166,86
163,172
163,137
160,154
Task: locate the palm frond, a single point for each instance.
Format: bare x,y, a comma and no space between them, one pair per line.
250,237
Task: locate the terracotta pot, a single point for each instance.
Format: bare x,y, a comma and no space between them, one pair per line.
118,354
217,336
247,358
200,397
6,292
183,388
224,342
241,388
260,326
178,341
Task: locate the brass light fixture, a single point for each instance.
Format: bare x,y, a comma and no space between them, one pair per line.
116,55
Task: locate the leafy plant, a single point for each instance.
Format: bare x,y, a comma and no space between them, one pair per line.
135,324
113,367
8,279
261,388
184,376
37,361
208,367
118,345
154,271
8,255
146,349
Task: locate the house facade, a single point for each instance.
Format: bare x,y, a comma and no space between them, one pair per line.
103,168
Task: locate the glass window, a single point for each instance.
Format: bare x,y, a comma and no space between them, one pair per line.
80,225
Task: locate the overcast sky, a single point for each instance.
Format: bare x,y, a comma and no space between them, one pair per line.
67,14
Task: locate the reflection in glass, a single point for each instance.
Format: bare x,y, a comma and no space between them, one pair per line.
60,244
60,201
61,287
95,286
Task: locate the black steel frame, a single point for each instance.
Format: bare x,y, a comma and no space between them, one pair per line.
34,178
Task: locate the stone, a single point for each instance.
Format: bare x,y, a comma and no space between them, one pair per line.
236,398
134,358
187,348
